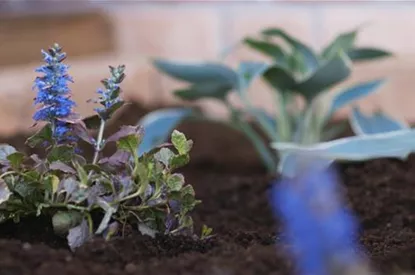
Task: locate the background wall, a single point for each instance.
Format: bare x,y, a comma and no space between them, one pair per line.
98,34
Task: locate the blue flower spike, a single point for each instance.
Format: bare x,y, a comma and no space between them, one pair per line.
53,94
109,97
320,230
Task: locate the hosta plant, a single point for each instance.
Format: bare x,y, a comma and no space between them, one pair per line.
84,197
294,70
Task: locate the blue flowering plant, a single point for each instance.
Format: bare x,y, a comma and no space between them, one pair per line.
321,233
134,186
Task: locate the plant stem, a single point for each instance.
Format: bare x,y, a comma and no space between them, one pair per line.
267,157
264,152
98,145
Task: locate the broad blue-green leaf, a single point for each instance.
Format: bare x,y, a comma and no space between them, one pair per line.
267,48
279,78
356,92
332,72
309,57
248,71
374,124
344,41
396,144
217,90
158,125
198,72
365,54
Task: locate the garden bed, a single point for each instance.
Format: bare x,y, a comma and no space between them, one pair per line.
232,185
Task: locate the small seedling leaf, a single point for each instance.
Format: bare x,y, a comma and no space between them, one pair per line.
180,142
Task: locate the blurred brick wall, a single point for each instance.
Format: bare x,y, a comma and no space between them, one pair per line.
135,31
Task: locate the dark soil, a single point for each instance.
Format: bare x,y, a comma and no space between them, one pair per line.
232,184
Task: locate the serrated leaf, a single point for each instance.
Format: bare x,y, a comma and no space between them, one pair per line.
63,153
78,235
4,192
374,124
175,182
348,95
5,151
344,41
188,190
129,144
43,135
158,125
365,54
267,48
59,165
332,72
16,159
182,145
164,156
178,161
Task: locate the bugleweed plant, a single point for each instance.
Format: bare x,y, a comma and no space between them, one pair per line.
294,71
98,196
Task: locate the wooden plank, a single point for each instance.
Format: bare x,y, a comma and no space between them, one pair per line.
22,37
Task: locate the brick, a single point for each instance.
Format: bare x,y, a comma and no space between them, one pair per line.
167,32
22,37
173,33
388,29
385,27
